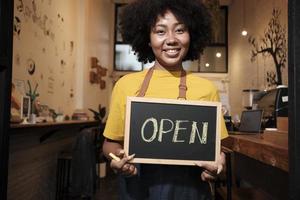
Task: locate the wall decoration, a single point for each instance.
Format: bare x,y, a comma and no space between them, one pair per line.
50,85
30,65
17,26
20,5
60,17
71,93
35,16
271,78
274,44
20,86
50,62
17,59
71,47
96,76
40,20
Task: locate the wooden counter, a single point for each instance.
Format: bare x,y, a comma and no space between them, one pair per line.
49,128
48,124
261,160
33,153
270,148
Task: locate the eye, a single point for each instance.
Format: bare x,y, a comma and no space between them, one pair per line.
180,29
160,32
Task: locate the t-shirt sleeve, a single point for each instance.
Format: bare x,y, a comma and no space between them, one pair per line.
114,128
224,133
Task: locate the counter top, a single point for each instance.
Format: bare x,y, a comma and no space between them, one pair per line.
50,128
49,124
270,147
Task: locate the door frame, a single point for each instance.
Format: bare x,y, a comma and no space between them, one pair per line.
6,41
294,97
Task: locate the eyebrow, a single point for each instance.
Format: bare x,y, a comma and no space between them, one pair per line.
164,25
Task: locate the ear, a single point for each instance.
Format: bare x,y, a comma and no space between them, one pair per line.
149,44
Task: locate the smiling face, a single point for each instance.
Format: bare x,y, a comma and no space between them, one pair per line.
169,40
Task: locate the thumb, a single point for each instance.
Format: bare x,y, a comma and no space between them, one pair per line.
220,169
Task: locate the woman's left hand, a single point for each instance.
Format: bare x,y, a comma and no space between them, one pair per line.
211,171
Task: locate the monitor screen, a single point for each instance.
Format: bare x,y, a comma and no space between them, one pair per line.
251,121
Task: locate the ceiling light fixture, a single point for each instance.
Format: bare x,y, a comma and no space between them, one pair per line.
244,31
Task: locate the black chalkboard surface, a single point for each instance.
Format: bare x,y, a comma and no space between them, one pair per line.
169,131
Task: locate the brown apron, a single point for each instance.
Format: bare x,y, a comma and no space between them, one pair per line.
182,86
157,182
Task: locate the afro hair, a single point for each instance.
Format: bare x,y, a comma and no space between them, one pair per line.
138,17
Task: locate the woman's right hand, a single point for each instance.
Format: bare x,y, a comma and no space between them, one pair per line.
123,166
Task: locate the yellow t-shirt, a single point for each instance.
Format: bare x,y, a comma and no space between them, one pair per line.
163,84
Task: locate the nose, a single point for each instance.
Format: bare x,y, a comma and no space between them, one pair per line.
171,38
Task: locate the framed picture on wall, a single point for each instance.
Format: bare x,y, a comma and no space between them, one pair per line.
25,107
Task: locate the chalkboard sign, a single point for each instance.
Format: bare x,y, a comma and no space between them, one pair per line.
169,131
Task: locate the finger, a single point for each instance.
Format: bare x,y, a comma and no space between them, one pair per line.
210,173
220,169
129,158
135,171
121,153
207,177
221,162
129,170
212,167
125,168
222,156
118,164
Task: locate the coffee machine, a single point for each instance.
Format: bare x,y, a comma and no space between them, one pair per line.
274,104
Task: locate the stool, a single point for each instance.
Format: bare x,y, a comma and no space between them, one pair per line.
63,172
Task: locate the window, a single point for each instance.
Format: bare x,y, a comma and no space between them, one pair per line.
213,60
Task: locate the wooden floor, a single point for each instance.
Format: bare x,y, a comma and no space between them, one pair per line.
108,187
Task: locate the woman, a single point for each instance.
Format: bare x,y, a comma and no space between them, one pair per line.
167,32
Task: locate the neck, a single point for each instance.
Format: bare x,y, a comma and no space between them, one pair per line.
158,66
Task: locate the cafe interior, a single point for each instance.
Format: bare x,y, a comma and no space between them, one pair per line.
66,57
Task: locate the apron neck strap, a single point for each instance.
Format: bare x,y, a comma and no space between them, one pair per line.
182,86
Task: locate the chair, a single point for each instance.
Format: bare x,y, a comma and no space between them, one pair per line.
63,171
76,170
100,158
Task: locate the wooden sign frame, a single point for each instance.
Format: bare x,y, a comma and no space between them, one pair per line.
174,102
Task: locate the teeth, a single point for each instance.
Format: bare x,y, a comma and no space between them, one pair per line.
172,50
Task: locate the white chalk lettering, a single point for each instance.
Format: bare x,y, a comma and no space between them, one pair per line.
161,128
203,139
155,129
177,129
